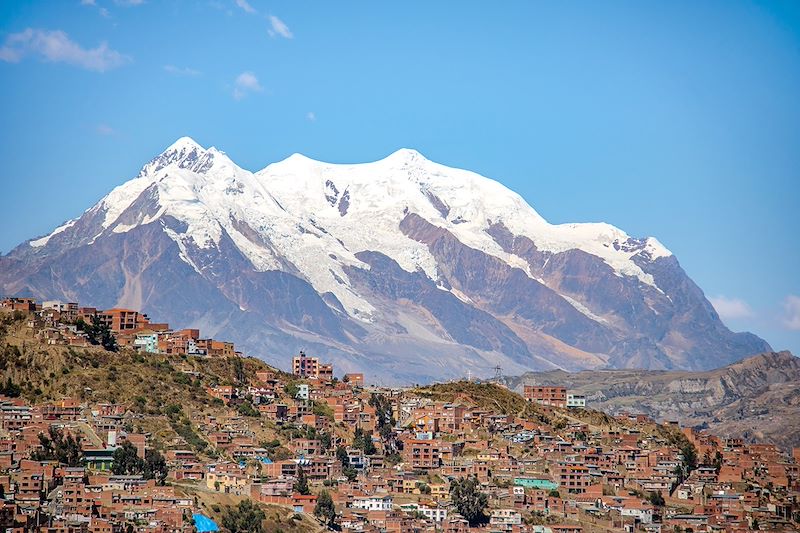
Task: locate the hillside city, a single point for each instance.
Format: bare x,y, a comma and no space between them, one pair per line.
110,422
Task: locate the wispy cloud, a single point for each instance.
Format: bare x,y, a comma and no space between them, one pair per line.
181,71
246,83
129,3
731,308
311,117
93,3
104,129
245,5
791,312
279,28
57,47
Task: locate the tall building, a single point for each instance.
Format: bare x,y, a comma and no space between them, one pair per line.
310,367
553,396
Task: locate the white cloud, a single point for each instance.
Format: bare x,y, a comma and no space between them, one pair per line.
311,116
791,312
278,27
105,130
731,308
246,83
93,3
245,6
57,47
181,71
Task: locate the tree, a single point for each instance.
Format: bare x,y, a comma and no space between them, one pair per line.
341,455
247,517
324,440
127,461
10,389
301,485
325,509
350,472
385,421
98,333
239,372
718,461
56,447
246,409
155,466
468,500
291,389
656,499
363,442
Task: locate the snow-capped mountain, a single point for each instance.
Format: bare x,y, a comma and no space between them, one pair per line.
402,268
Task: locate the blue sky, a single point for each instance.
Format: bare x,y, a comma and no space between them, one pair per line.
676,119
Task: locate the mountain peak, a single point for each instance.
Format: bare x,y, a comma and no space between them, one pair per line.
184,143
189,154
406,155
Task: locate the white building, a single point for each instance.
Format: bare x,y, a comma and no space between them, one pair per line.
373,503
639,511
435,514
576,400
302,391
505,517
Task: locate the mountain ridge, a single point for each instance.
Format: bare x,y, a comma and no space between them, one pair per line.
756,398
301,253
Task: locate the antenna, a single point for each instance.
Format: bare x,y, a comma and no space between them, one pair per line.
498,373
469,375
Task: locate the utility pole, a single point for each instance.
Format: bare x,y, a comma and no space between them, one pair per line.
498,373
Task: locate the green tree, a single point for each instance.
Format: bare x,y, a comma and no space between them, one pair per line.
291,389
656,499
239,372
10,389
324,440
301,485
363,442
247,517
56,447
127,461
350,472
246,409
385,421
341,455
468,500
98,333
718,460
155,466
325,510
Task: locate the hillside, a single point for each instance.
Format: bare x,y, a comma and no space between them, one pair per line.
379,267
499,399
164,395
756,399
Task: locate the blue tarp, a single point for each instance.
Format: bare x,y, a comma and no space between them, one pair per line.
204,523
